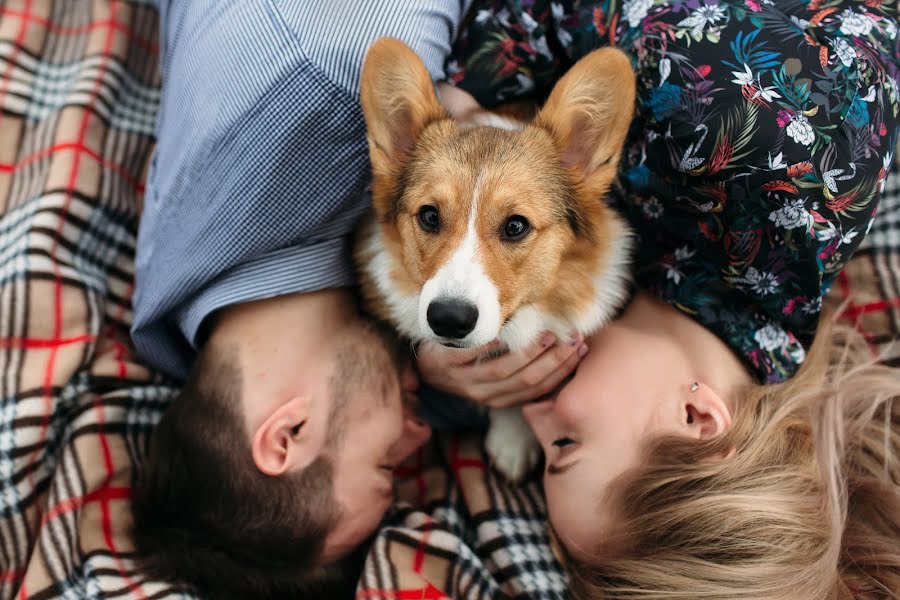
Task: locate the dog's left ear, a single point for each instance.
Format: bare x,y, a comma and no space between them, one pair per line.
398,101
589,112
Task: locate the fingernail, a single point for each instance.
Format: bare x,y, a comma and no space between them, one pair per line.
548,340
583,350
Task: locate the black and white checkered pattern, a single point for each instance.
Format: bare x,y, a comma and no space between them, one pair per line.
885,233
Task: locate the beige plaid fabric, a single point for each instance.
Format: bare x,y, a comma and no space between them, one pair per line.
79,89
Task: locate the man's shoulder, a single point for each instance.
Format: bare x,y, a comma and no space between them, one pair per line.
336,35
228,33
222,61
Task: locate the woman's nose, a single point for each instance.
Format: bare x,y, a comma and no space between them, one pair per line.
542,419
538,409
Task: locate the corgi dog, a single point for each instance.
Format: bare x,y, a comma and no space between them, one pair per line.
494,228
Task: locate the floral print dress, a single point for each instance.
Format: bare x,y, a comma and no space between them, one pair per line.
753,169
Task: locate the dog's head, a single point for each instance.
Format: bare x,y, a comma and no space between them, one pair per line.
483,221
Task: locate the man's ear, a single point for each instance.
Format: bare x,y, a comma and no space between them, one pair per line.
398,101
287,439
589,113
705,414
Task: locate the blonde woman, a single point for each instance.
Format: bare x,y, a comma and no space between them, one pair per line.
790,490
710,444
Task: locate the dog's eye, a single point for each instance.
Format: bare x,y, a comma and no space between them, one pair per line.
515,228
429,219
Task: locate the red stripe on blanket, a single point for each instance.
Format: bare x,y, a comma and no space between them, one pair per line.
416,471
853,311
4,87
429,592
419,558
844,284
133,585
79,148
120,352
103,494
30,343
856,310
461,463
10,576
82,29
457,463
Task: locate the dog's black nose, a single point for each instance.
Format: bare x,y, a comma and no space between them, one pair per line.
451,318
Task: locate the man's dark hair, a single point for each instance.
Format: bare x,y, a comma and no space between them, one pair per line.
205,515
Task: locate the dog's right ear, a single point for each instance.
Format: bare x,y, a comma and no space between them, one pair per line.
589,112
398,101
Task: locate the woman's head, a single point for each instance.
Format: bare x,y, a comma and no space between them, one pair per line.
652,373
798,497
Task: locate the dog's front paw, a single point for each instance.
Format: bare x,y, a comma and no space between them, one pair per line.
511,445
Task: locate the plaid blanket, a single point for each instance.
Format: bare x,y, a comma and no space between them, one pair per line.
79,88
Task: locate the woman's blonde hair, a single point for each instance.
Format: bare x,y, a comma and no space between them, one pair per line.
806,506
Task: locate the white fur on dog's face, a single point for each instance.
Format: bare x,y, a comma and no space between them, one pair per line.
463,278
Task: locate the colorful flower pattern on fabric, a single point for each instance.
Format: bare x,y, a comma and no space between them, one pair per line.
753,169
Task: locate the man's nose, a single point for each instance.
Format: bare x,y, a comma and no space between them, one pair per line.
415,433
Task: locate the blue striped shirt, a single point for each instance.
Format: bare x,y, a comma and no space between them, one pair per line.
261,163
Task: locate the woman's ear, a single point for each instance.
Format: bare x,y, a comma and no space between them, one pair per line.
288,439
705,414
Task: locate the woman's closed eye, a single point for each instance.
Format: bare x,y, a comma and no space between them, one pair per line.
565,446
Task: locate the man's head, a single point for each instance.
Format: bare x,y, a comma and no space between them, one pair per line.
274,462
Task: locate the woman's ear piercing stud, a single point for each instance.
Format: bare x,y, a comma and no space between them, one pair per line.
694,387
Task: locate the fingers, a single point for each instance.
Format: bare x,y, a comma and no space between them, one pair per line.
532,361
544,387
537,378
506,365
511,378
438,355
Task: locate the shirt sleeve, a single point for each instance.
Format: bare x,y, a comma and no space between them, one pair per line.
258,177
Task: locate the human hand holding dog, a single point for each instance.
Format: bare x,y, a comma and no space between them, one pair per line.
507,380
